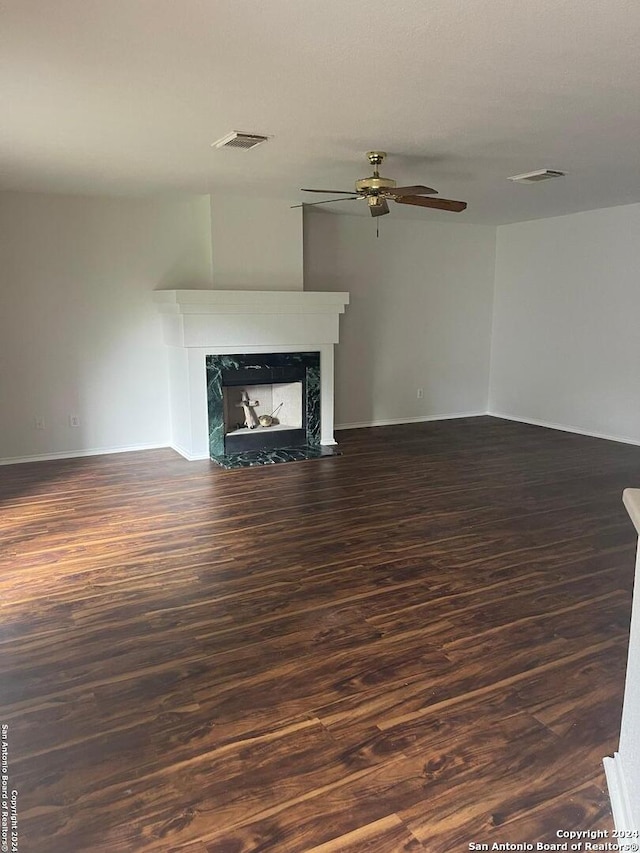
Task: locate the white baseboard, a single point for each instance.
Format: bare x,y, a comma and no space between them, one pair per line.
102,451
418,420
565,428
619,794
77,454
190,457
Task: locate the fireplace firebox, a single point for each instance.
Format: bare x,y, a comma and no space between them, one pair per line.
264,408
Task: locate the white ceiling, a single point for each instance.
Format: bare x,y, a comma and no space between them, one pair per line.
125,96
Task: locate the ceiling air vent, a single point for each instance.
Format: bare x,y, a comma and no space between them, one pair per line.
236,139
534,177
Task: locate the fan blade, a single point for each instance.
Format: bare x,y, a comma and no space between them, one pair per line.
328,201
380,208
417,190
332,192
438,203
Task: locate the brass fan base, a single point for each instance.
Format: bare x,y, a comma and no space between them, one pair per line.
375,184
376,157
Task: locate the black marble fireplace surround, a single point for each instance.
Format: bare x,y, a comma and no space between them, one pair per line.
264,446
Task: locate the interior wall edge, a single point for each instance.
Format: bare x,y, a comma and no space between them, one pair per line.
416,420
622,439
618,794
78,454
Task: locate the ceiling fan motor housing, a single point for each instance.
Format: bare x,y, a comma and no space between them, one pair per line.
374,185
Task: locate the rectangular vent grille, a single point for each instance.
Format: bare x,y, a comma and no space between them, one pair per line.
236,139
535,177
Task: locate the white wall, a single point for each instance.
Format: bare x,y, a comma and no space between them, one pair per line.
629,754
623,769
79,333
419,316
257,243
566,347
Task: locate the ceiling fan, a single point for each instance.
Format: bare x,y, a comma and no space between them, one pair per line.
378,190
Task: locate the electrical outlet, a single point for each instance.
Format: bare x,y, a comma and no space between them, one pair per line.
38,423
420,393
74,421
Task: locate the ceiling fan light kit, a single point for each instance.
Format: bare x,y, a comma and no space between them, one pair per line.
377,206
377,190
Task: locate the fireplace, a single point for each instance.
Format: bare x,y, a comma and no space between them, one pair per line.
264,416
284,386
208,332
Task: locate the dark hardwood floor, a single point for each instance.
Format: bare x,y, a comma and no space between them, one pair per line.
414,646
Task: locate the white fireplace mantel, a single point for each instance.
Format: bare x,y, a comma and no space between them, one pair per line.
198,323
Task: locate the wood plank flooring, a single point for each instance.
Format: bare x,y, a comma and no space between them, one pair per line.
413,646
